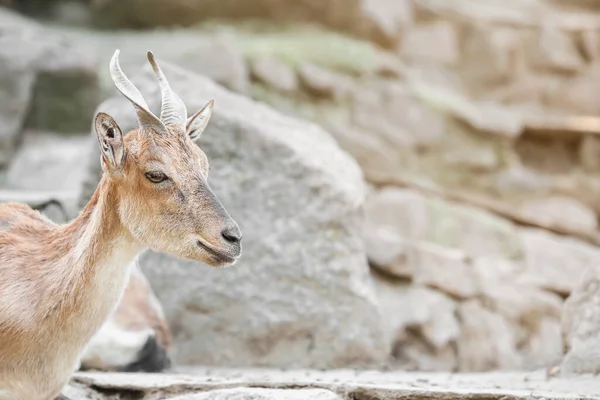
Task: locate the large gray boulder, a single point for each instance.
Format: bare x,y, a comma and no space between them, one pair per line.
45,82
301,294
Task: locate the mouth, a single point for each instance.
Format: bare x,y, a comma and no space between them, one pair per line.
219,256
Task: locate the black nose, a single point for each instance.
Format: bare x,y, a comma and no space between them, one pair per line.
233,234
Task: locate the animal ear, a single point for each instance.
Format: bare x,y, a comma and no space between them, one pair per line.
110,139
196,124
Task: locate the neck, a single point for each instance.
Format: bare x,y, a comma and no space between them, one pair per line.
100,252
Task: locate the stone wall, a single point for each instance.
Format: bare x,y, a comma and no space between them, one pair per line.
475,128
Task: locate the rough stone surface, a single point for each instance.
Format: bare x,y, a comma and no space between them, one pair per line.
274,73
262,394
589,152
490,55
381,21
221,60
447,270
581,326
555,49
47,161
487,341
321,82
347,384
437,42
297,198
376,109
411,215
561,209
575,94
34,70
58,206
555,263
452,103
421,323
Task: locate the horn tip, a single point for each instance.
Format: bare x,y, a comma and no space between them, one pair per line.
153,62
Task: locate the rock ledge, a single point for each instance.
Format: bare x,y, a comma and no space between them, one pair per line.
258,384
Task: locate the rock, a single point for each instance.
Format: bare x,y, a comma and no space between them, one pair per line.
447,270
422,325
418,125
58,206
388,251
491,55
411,215
492,271
487,340
555,263
220,59
511,12
384,20
348,384
533,314
47,161
376,157
67,89
433,42
589,153
581,326
544,346
46,82
561,209
413,353
15,93
275,74
468,150
503,122
384,141
555,50
321,82
262,394
381,21
417,308
527,307
575,94
590,43
268,167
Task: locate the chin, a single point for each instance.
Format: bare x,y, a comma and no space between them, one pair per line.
198,253
212,260
218,261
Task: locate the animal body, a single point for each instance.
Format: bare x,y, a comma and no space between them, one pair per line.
136,337
60,283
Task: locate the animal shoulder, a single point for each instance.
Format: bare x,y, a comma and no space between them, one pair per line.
15,216
25,234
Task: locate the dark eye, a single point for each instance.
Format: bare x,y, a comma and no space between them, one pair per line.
156,177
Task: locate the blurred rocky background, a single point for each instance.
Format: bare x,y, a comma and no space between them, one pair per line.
418,181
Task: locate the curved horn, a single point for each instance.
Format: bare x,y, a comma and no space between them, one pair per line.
127,89
173,110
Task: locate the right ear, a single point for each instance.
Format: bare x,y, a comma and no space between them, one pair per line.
110,139
196,124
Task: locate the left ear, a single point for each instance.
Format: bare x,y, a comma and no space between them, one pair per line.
196,124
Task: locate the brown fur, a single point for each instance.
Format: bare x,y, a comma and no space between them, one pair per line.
59,283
